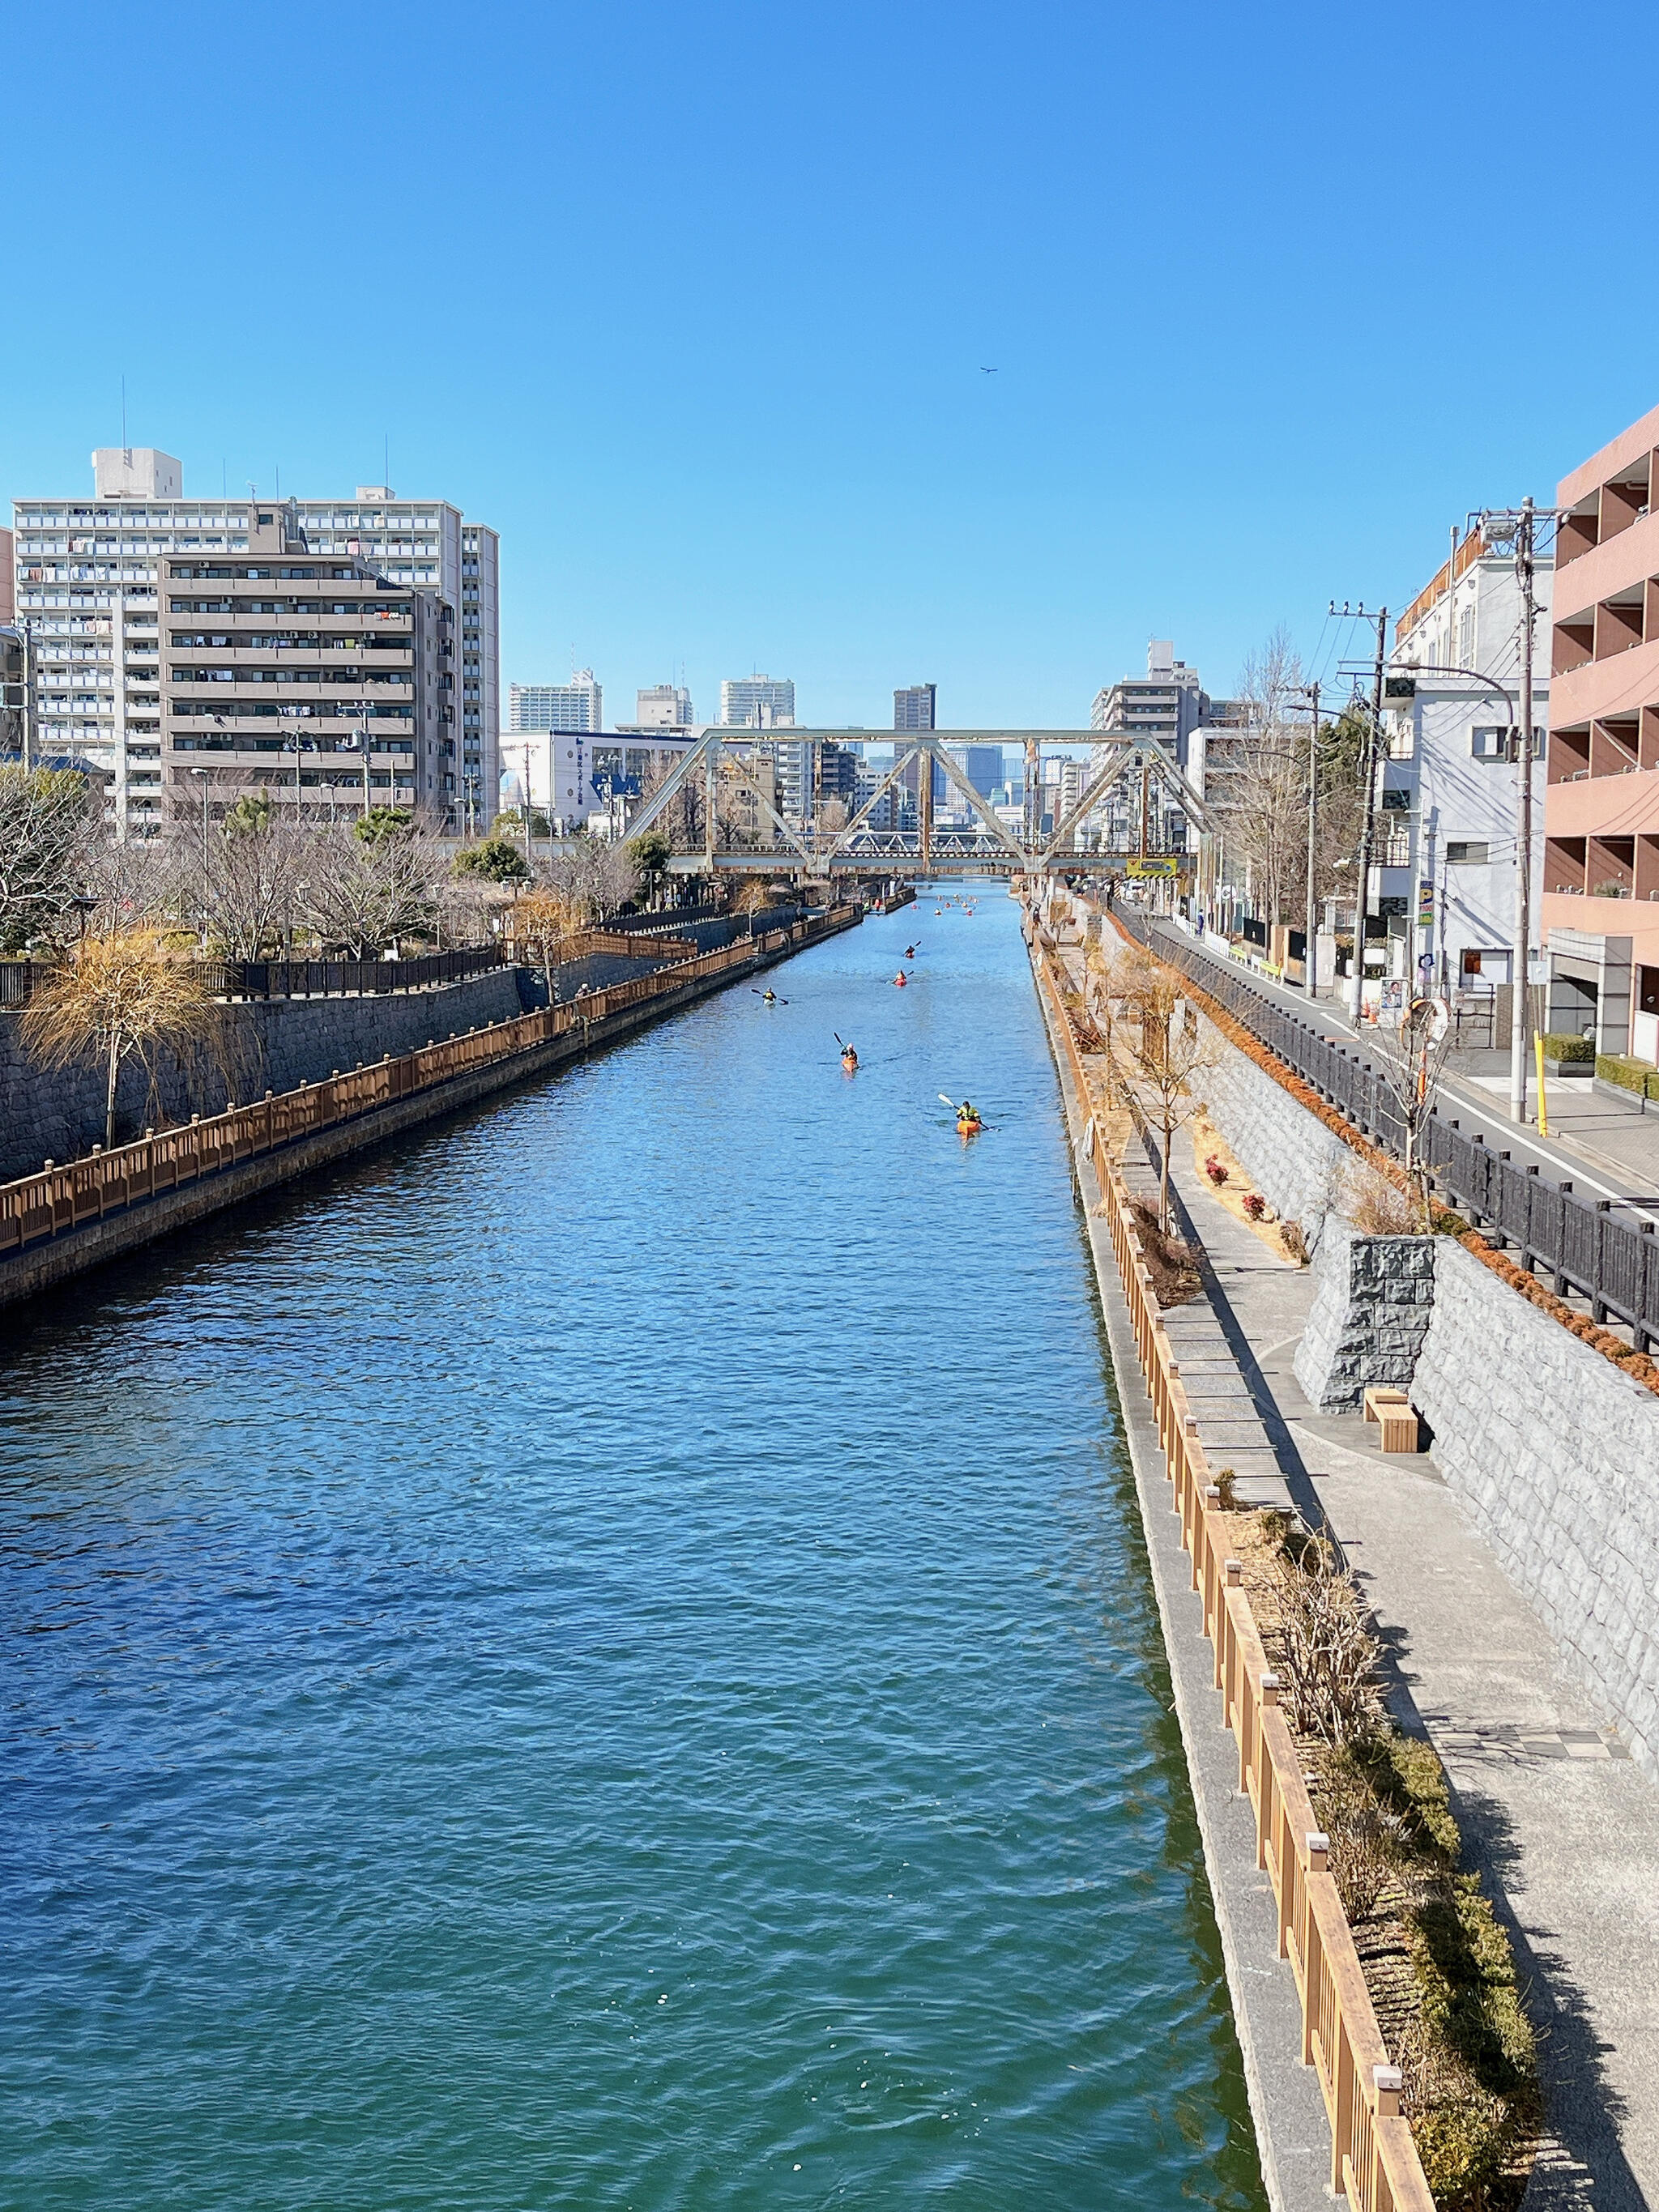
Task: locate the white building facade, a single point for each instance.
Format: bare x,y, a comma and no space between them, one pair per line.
757,702
578,706
1447,841
85,571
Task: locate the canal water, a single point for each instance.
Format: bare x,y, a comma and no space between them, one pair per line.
602,1657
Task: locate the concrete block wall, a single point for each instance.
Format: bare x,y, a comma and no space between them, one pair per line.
1555,1455
1373,1303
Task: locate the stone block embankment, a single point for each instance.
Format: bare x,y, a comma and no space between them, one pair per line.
1555,1455
1552,1450
1300,1167
272,1044
1373,1302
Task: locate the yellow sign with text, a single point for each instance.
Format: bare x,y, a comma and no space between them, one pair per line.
1153,864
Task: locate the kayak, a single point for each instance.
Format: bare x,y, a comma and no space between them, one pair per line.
849,1061
969,1128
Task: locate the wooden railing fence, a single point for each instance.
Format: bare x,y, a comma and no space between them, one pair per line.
1373,2161
62,1198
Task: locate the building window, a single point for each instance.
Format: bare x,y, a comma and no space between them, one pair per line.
1466,853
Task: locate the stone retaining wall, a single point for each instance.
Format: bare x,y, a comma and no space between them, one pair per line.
1373,1301
1556,1456
1300,1167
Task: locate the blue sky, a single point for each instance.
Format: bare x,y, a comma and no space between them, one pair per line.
693,304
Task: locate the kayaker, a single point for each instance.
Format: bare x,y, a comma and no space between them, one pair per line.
849,1060
901,979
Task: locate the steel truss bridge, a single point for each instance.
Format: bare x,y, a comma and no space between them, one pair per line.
989,846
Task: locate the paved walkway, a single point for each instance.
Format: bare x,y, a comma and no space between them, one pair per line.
1562,1827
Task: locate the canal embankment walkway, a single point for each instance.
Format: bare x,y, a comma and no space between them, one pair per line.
1286,2106
1561,1826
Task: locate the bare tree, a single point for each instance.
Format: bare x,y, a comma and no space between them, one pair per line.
141,879
547,920
593,876
49,821
1163,1045
255,886
119,994
1410,1041
1265,805
364,893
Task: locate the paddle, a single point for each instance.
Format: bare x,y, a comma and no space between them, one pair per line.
955,1109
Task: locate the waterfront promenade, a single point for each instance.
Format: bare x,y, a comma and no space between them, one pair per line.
601,1653
1561,1825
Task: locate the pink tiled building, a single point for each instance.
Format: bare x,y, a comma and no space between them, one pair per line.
1601,903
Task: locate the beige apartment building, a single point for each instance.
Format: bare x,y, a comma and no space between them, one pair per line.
314,678
1600,900
85,571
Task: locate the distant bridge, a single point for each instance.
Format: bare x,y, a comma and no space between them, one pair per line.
721,762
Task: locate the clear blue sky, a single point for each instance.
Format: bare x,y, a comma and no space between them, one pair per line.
692,303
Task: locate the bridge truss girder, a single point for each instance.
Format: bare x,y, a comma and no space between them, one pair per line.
989,847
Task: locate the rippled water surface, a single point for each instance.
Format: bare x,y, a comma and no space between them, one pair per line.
602,1658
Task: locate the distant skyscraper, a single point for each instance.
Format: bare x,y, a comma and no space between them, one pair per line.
664,706
578,705
757,702
916,708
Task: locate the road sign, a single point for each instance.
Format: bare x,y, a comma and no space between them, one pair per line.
1153,864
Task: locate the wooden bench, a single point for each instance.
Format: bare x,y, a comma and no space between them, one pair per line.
1392,1412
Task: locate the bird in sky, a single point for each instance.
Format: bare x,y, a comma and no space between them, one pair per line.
985,372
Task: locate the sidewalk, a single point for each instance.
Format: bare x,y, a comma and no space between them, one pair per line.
1562,1828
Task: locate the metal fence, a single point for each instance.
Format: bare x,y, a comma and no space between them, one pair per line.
297,979
1606,1251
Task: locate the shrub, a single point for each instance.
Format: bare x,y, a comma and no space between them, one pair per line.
1216,1172
1639,1075
1293,1237
1567,1044
1254,1205
1329,1652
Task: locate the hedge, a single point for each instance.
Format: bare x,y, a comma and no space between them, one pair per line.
1629,1074
1566,1044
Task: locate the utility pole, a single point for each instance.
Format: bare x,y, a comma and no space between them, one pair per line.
1311,949
1370,755
28,694
1521,992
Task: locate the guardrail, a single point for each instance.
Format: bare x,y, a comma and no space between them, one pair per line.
60,1199
1374,2165
1608,1254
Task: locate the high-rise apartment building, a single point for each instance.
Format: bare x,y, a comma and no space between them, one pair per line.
8,578
86,581
916,707
664,706
757,702
1168,703
312,678
578,706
